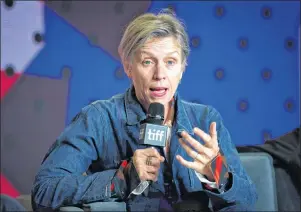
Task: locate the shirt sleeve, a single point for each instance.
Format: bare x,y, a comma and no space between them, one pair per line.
60,180
240,191
133,185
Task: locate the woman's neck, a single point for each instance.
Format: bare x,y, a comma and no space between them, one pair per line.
169,114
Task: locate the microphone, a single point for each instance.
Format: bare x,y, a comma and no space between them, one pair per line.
152,133
152,130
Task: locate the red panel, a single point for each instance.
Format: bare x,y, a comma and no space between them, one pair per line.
7,82
7,188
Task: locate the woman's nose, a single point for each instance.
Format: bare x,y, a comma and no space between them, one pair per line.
160,72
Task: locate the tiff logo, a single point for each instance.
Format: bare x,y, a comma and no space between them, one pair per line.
155,135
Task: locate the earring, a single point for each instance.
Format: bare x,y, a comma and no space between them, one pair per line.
130,72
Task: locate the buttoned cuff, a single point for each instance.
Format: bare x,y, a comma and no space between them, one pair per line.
135,185
206,181
126,182
220,171
119,186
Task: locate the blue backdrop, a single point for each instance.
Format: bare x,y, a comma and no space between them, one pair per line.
241,63
245,62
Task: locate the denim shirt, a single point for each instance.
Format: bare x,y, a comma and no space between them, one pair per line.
102,138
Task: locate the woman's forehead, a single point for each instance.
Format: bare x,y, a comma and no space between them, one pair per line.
158,46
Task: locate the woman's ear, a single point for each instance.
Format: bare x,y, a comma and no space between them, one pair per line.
127,68
125,63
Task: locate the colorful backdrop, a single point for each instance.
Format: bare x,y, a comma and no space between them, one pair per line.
59,56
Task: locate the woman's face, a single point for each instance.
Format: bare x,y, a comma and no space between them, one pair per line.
156,71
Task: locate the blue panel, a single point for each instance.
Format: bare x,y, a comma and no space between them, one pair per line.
242,65
92,69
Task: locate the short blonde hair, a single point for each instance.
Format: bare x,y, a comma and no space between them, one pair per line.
150,25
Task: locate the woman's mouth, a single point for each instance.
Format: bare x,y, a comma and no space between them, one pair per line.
158,92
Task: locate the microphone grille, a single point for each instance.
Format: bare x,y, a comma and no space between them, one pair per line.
156,110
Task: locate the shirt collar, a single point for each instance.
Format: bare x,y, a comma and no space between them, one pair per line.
135,113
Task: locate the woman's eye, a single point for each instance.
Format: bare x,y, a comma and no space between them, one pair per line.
147,62
170,62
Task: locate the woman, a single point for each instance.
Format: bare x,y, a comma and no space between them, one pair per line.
198,164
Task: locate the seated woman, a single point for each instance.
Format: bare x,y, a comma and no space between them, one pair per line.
199,163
